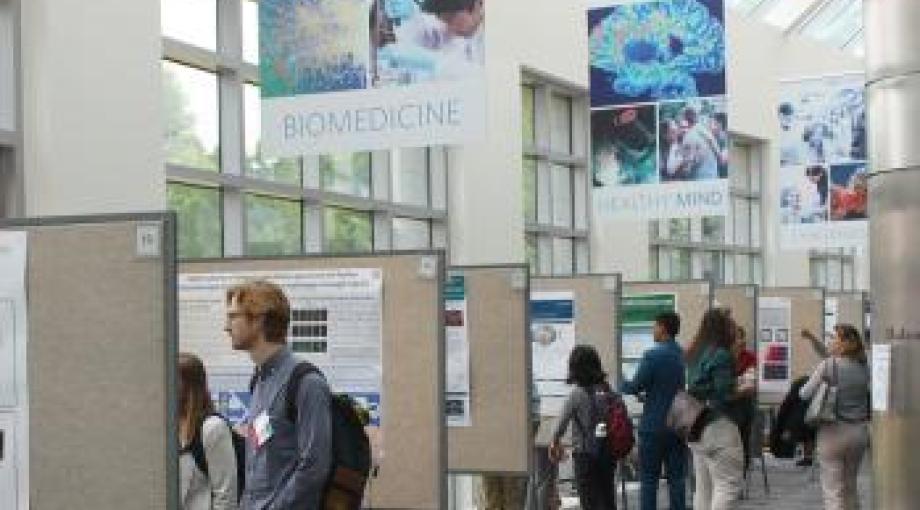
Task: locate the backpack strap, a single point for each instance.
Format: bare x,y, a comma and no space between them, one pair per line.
196,447
300,371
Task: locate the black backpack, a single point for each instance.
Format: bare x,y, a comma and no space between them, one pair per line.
351,449
196,448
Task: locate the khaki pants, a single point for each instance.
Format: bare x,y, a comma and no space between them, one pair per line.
841,448
718,464
503,492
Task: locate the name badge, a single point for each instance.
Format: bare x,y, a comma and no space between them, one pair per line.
262,429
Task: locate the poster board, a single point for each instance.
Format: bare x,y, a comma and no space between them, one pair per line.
806,307
596,310
412,472
742,301
694,298
498,439
99,395
851,309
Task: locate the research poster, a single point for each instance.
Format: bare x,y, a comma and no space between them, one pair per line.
638,322
659,122
831,317
350,75
336,320
458,352
552,316
824,193
13,318
774,329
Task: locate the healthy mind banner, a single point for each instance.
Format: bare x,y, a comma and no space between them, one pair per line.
659,123
354,75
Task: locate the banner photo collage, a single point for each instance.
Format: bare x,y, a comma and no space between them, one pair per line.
659,123
346,75
824,192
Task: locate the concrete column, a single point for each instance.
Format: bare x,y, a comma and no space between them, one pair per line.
893,74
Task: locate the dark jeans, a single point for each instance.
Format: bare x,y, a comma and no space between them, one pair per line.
656,449
594,481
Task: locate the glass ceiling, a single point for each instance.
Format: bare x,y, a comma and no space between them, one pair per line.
834,22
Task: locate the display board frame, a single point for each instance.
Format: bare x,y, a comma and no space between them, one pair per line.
591,291
398,485
482,448
742,300
143,423
851,308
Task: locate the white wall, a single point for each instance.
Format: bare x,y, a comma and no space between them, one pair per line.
91,99
486,205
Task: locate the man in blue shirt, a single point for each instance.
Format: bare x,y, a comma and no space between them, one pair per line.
660,375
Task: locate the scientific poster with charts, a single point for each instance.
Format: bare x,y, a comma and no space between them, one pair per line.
336,321
356,75
552,316
13,319
823,181
638,322
659,122
774,328
458,352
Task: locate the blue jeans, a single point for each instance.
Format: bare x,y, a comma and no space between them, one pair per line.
656,449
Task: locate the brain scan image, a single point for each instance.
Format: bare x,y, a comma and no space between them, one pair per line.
656,51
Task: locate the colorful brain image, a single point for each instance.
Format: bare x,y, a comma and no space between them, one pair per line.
649,52
313,46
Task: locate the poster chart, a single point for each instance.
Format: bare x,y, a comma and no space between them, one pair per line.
823,181
458,352
335,324
13,253
774,338
552,316
639,312
350,75
831,317
659,122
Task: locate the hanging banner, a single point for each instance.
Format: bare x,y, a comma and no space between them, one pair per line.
355,75
659,123
458,352
639,313
823,183
552,316
774,319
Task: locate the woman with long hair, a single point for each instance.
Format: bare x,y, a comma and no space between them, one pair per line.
594,466
718,455
207,462
842,442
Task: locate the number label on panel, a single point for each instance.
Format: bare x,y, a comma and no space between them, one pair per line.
148,240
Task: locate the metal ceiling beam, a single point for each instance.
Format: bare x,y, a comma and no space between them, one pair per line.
807,15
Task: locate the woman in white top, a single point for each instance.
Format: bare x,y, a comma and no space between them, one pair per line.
216,489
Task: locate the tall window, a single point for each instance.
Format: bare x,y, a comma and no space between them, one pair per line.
555,186
833,269
727,249
232,199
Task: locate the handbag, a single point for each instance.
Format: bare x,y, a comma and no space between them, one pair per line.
823,406
684,412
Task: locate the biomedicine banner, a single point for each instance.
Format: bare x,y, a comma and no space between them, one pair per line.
350,75
823,183
659,123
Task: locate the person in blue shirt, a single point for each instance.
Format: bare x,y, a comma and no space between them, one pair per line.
658,379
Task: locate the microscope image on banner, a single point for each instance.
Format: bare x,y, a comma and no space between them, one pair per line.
648,52
345,75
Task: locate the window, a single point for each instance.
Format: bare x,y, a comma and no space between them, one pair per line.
348,231
280,170
190,21
410,234
349,174
283,206
274,226
190,116
679,230
410,177
555,190
199,224
714,230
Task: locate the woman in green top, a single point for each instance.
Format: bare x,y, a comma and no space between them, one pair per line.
718,456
